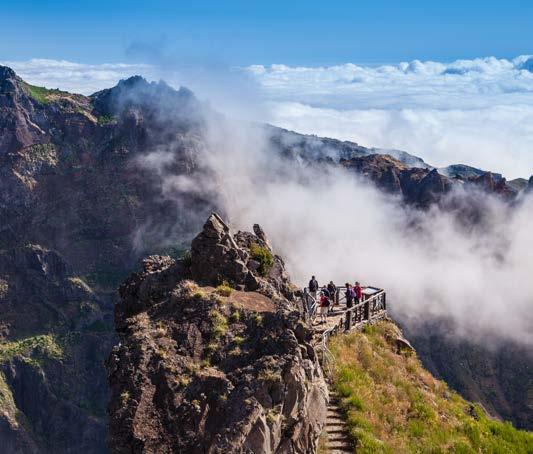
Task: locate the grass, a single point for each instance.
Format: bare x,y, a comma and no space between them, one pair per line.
35,347
106,119
223,289
220,323
263,256
40,94
394,405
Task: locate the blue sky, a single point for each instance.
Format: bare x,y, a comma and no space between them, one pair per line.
247,32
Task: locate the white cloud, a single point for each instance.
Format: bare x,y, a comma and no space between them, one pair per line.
76,77
477,112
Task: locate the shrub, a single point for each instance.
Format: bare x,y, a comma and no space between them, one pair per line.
263,256
224,289
125,397
42,346
220,323
106,119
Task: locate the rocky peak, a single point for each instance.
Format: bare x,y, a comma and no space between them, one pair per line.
529,187
432,187
8,80
494,184
151,99
244,259
205,369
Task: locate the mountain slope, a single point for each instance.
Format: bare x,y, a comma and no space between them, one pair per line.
394,405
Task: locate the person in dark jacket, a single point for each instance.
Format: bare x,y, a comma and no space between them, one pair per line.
350,295
332,289
313,287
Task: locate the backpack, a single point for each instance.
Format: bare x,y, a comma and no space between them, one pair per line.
350,294
313,285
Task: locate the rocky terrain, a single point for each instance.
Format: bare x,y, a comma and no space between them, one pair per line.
80,206
54,333
208,368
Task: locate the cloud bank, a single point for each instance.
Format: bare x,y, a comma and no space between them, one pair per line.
477,112
77,77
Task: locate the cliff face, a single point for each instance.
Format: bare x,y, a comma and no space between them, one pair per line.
212,369
54,332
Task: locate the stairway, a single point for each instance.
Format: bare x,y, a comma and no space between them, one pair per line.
338,441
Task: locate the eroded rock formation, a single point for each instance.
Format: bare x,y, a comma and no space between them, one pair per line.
205,369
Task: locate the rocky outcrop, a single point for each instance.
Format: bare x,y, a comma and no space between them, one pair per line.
201,369
418,186
217,255
529,187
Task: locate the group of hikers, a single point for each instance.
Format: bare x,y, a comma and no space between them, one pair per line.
327,296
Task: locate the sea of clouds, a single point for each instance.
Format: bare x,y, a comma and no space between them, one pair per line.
477,112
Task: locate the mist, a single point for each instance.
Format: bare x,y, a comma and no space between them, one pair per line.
335,225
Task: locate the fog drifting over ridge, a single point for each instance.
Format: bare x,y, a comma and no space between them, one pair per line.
339,226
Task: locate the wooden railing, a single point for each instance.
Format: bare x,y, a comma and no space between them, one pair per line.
373,307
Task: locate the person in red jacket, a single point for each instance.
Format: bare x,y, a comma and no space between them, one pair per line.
358,293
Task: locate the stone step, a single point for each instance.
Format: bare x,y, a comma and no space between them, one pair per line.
346,447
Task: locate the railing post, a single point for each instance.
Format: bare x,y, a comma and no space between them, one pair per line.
348,321
384,301
367,310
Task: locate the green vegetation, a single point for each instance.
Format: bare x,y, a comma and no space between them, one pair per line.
40,94
35,348
263,256
220,323
124,397
199,295
258,319
223,289
394,405
106,119
235,316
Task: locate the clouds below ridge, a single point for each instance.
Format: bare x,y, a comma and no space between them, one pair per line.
477,112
